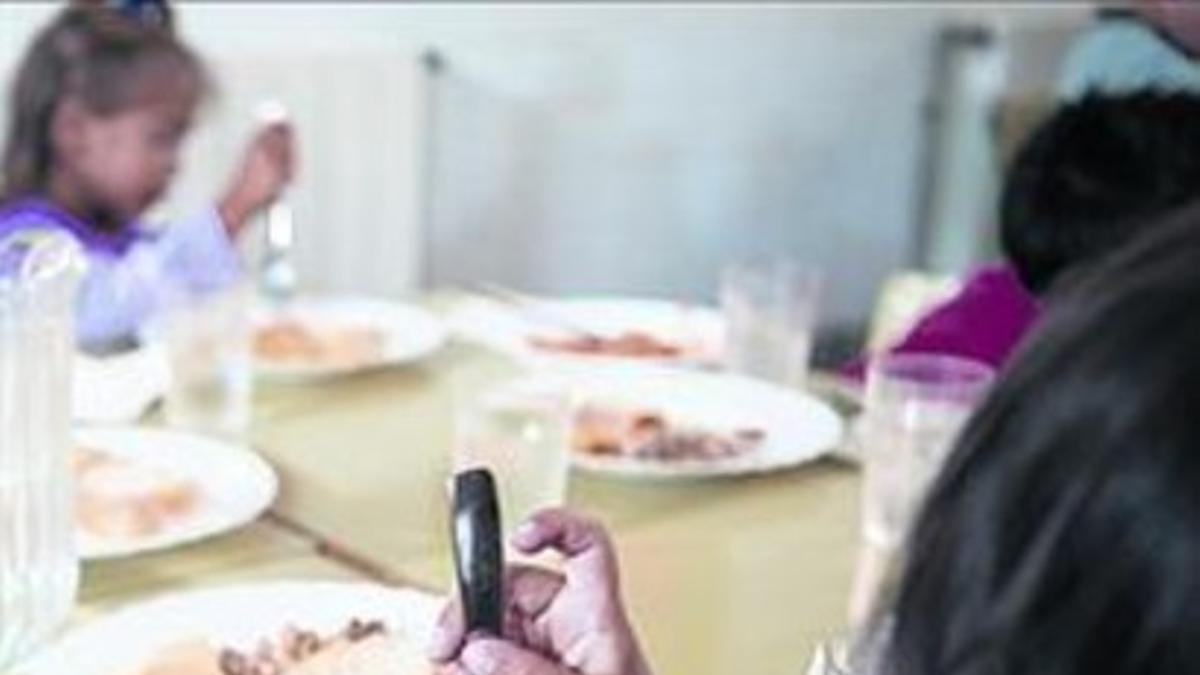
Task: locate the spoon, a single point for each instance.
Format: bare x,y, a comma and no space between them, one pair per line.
278,277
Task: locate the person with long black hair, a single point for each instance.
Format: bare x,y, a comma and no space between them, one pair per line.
1063,536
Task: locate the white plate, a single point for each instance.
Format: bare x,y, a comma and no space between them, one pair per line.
232,616
235,485
508,328
799,427
409,333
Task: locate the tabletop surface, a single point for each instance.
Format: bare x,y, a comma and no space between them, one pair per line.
721,576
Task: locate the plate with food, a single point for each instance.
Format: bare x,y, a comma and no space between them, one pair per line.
139,490
593,329
283,628
317,336
658,423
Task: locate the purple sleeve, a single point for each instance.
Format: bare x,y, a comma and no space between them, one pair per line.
198,253
120,293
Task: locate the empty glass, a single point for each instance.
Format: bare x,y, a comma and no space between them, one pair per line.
208,342
770,309
39,567
518,430
915,406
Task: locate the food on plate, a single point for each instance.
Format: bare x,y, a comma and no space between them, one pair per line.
194,657
116,497
290,341
618,431
361,648
634,344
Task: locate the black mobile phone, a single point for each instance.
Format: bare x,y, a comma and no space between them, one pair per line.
478,550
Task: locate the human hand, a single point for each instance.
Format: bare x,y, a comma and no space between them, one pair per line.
266,168
554,624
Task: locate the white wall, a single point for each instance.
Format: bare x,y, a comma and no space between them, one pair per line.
635,148
660,142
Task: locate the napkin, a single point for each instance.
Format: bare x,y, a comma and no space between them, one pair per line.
119,388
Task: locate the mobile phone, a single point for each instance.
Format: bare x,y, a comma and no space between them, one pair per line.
478,550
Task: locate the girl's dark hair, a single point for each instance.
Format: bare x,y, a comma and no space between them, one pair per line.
104,56
1094,174
1063,536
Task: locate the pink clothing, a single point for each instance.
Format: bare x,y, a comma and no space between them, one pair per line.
985,321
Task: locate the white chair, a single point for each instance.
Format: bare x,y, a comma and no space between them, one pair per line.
903,299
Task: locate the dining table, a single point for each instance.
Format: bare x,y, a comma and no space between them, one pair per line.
743,574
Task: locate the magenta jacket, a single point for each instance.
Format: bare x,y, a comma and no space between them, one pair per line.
985,321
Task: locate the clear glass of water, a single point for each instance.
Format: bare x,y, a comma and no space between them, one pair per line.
859,652
208,341
915,407
39,567
830,658
519,430
770,310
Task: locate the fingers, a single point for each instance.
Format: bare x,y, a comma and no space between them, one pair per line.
279,145
589,552
273,148
568,533
288,153
496,657
529,592
591,565
448,634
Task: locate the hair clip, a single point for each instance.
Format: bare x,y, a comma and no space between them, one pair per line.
148,13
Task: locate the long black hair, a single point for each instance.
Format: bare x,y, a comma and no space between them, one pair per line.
1063,536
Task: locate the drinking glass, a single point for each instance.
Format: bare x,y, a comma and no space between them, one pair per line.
859,652
830,658
770,309
208,344
519,430
39,567
915,406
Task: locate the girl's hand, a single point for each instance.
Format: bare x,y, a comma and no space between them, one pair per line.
555,624
267,167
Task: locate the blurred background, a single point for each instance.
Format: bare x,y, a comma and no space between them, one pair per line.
632,149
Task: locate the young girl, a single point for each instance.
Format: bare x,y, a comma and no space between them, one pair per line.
99,108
